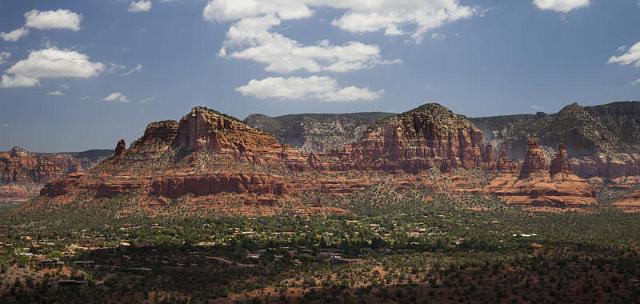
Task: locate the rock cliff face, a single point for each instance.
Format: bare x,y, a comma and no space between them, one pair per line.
430,136
316,133
20,166
158,137
205,129
22,173
179,185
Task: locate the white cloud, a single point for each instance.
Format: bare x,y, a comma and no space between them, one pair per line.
4,56
50,63
251,39
117,96
140,6
562,6
58,19
631,57
14,35
136,69
56,93
56,63
636,82
17,81
44,20
407,17
296,88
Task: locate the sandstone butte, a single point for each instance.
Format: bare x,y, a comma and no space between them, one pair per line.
208,153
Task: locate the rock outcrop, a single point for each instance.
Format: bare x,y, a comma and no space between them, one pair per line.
561,164
23,174
14,193
539,185
205,129
535,164
157,138
63,186
121,148
430,136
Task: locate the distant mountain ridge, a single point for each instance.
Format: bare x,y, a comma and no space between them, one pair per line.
316,132
586,130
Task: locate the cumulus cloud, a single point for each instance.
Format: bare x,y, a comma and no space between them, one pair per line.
4,56
136,69
408,17
58,19
17,81
56,93
140,6
314,87
50,63
14,35
118,97
562,6
252,39
631,57
45,20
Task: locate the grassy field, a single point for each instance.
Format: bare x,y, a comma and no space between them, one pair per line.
391,247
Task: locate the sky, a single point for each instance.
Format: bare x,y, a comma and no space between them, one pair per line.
79,75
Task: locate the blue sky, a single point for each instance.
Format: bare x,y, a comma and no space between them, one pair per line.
78,75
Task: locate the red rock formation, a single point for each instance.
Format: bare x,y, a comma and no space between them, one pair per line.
14,193
207,129
570,191
158,137
427,137
560,164
179,185
629,203
535,164
535,186
210,153
118,185
62,186
21,167
121,148
505,165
